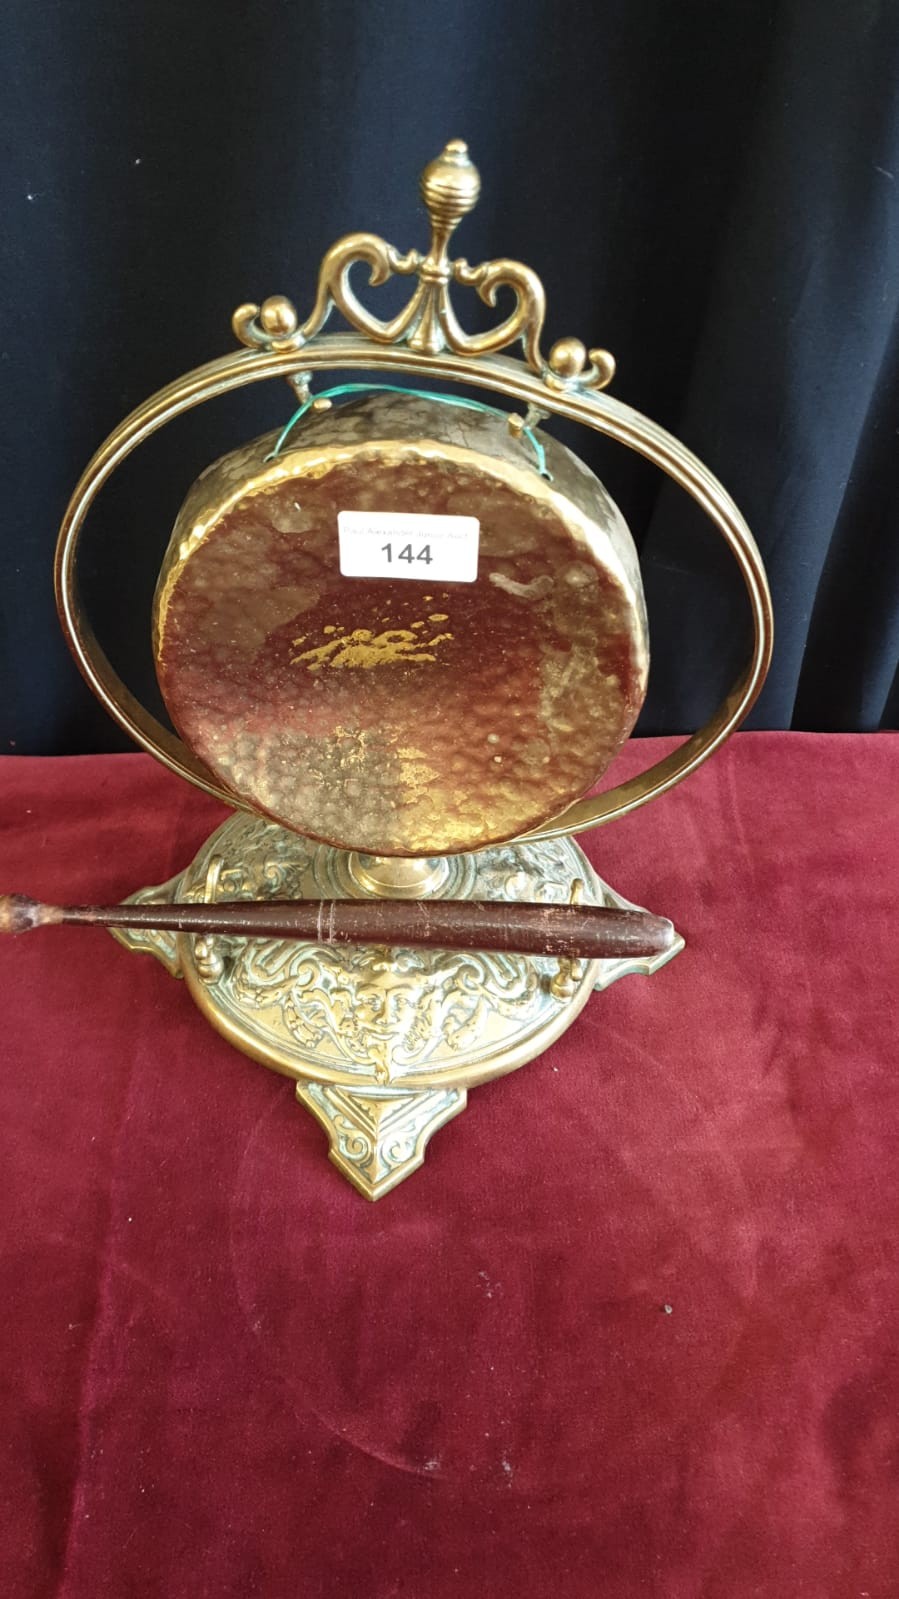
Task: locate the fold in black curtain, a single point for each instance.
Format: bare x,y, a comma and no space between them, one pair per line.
793,393
709,189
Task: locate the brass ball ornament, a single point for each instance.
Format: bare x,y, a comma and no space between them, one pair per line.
278,317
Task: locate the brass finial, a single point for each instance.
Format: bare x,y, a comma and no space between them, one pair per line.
450,186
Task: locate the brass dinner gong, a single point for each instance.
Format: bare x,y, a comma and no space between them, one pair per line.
402,639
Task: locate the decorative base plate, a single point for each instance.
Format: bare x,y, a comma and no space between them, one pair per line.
383,1043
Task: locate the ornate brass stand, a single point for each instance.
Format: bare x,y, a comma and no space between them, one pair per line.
383,1043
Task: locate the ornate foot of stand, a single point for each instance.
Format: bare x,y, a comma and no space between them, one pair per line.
383,1043
379,1137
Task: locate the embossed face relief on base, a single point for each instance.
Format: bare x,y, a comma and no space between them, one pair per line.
402,717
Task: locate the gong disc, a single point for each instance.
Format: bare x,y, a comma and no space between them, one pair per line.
410,715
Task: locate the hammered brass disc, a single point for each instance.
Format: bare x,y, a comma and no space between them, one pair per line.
402,717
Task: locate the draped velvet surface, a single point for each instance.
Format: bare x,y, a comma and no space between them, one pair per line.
633,1328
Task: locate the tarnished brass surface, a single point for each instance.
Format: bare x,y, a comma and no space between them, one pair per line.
382,1043
566,385
362,1016
378,1138
393,716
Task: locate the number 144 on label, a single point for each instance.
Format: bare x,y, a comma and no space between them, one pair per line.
407,544
424,554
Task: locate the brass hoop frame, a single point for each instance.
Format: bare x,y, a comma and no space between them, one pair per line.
497,373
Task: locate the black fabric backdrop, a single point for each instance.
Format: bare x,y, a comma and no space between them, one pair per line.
709,189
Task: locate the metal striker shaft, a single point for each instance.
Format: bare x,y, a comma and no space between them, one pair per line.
575,932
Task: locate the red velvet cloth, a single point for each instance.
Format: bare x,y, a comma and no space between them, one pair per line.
226,1374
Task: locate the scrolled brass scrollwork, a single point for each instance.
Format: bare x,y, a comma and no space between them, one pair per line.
450,187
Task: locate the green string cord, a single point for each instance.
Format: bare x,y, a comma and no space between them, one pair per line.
421,394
